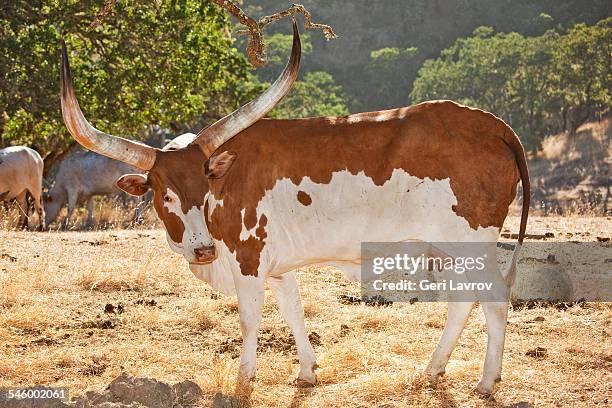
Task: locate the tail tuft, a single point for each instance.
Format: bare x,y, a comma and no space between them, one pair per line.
510,273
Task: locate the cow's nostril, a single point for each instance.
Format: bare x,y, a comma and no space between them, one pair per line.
205,253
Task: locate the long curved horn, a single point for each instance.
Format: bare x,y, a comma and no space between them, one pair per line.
136,154
210,138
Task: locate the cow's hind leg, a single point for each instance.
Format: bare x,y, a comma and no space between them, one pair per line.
456,318
286,292
250,291
22,203
496,315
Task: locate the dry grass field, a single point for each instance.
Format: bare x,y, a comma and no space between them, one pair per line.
57,329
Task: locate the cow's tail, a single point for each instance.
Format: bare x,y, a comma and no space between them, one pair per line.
513,142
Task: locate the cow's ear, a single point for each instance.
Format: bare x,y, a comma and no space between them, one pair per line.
133,184
218,165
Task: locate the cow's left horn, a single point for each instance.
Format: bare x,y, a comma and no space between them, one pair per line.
210,138
137,154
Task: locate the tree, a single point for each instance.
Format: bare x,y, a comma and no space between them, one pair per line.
315,95
391,71
584,63
533,106
540,85
473,71
149,63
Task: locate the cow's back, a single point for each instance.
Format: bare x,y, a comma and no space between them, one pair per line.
21,168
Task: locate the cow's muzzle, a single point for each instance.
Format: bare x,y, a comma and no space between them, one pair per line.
205,254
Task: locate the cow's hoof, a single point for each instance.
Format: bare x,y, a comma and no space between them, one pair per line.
307,378
244,386
304,383
483,390
432,374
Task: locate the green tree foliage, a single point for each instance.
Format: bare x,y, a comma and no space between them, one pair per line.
314,95
473,71
148,63
387,70
583,60
553,82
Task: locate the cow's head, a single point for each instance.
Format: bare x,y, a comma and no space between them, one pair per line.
180,189
53,202
178,178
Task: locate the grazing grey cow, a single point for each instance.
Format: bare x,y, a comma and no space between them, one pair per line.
21,170
81,176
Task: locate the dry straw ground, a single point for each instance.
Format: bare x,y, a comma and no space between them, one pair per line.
164,323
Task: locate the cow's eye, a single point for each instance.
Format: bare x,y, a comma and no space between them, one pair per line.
167,198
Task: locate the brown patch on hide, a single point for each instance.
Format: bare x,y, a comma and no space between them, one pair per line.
304,198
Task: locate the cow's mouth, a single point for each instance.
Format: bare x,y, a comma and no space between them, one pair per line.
203,261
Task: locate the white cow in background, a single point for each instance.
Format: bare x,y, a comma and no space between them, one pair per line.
21,171
81,176
180,142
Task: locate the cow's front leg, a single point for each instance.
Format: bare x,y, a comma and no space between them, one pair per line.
286,292
496,316
90,209
72,203
250,292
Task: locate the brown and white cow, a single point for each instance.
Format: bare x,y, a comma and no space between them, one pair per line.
21,171
252,199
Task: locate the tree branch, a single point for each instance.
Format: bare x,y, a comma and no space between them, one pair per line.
256,45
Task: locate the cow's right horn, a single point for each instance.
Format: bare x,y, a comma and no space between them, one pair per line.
211,138
137,154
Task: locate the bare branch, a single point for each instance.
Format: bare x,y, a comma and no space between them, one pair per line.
295,9
256,45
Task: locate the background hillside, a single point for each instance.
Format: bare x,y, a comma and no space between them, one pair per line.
428,26
571,175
